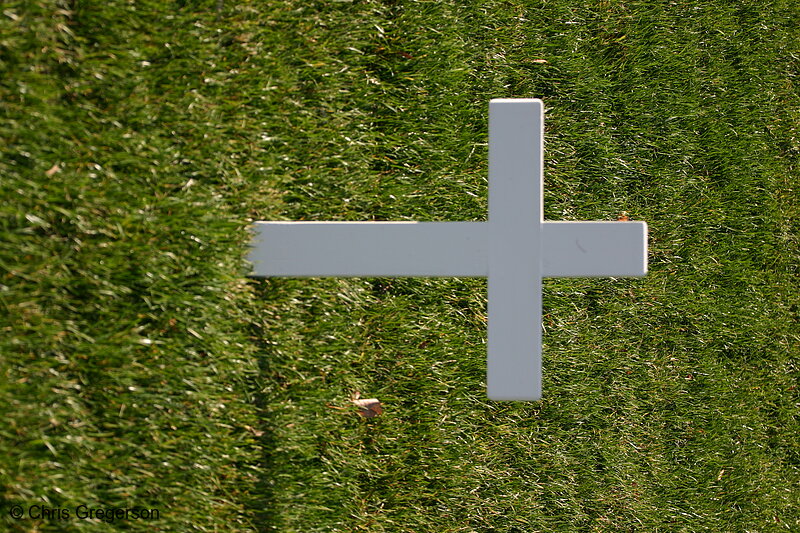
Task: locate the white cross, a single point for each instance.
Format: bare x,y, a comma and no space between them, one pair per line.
515,249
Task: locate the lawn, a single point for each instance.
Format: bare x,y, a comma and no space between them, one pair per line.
142,368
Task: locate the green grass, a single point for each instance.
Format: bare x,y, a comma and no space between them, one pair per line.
140,367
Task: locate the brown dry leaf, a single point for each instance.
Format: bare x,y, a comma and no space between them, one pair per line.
254,431
623,217
369,408
55,168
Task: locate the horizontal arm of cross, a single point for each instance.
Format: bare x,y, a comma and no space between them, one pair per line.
443,249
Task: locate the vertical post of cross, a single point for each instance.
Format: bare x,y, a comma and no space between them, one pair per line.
514,359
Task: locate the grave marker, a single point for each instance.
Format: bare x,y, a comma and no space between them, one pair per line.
515,249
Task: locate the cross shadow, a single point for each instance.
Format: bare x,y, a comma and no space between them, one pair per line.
264,504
